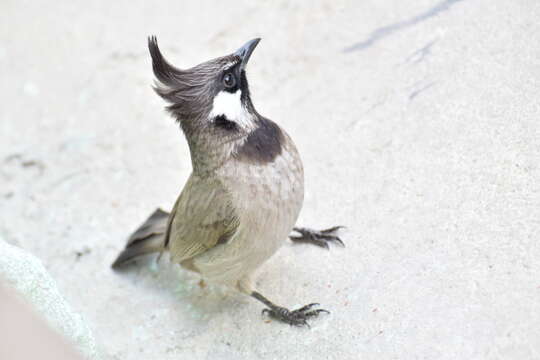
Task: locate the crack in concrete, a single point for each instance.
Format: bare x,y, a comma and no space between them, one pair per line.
387,30
417,92
420,54
375,105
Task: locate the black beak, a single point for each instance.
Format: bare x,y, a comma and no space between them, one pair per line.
245,51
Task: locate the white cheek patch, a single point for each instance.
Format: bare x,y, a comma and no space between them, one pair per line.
230,105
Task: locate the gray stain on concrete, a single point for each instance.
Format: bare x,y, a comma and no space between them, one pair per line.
420,54
387,30
417,92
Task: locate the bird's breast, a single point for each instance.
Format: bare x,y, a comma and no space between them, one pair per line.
268,198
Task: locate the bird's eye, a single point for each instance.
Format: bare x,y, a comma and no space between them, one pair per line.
229,81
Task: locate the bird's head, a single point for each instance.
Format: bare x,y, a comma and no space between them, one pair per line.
211,101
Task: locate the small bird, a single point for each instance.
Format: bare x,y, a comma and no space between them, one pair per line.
246,190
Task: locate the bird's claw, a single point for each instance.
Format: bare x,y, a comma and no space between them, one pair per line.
317,237
296,317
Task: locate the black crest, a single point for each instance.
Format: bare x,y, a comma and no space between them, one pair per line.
182,89
165,73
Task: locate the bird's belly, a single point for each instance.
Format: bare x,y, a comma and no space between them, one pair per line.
268,200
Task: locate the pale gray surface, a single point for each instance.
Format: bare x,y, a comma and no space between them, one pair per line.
418,124
25,273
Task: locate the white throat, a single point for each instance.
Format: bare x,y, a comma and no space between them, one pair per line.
230,105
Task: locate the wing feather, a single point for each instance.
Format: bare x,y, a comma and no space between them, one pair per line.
203,217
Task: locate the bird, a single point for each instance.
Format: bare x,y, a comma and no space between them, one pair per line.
246,189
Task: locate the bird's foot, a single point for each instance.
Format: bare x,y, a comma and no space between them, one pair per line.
317,237
296,317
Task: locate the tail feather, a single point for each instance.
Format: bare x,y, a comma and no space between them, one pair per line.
147,239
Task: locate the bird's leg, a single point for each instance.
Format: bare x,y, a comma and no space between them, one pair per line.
296,317
317,237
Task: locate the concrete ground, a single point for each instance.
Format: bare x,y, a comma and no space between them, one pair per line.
418,124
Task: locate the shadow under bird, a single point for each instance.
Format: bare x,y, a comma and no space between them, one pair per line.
247,186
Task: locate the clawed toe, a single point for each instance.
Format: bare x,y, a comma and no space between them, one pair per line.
315,313
333,229
320,238
306,307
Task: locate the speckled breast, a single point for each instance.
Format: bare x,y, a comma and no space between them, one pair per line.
267,198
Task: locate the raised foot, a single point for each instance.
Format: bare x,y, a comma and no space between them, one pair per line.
296,317
317,237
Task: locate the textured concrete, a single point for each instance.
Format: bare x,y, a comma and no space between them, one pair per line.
26,274
418,124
